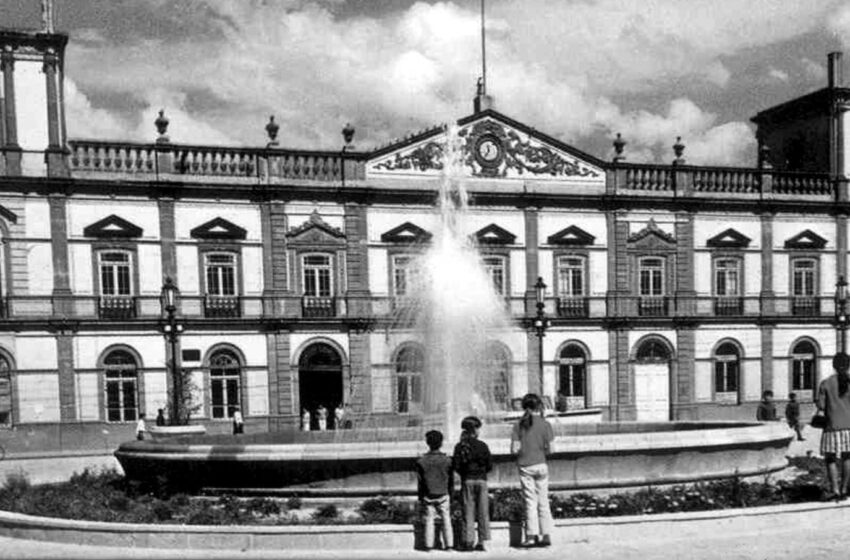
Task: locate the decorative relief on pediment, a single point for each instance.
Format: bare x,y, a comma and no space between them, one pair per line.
315,231
652,236
490,149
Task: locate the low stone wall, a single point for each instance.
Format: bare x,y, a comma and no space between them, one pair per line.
400,537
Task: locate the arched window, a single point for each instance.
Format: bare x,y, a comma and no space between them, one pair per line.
225,373
496,385
572,377
727,371
409,366
803,366
5,392
121,373
653,351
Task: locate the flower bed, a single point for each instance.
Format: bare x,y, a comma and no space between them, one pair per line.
108,496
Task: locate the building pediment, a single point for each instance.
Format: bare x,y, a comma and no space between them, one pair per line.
652,237
730,238
113,227
407,233
494,235
218,228
315,231
806,240
488,145
572,236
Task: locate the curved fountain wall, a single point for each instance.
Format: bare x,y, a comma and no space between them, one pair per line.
584,456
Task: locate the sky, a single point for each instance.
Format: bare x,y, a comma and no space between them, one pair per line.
578,70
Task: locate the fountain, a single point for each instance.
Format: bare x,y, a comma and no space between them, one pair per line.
456,313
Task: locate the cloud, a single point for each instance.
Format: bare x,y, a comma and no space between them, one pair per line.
814,71
839,24
558,66
778,74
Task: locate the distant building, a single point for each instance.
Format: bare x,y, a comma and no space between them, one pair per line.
674,291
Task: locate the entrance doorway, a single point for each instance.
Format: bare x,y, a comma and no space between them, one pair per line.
652,382
320,381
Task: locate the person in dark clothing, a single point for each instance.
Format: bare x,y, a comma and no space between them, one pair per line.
160,417
766,412
434,472
472,461
792,416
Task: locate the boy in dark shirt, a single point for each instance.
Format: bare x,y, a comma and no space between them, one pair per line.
792,416
766,412
434,471
472,461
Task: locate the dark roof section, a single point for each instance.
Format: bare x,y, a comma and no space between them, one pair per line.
816,103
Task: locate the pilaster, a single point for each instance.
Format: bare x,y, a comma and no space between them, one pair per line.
168,234
768,306
283,397
268,258
682,394
357,260
55,154
532,257
11,149
62,302
767,357
685,270
619,378
841,245
65,371
358,393
278,224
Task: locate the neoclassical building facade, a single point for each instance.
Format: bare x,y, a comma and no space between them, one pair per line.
673,291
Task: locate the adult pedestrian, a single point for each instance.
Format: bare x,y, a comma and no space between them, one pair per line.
238,421
322,417
160,417
834,402
305,420
766,411
531,442
339,416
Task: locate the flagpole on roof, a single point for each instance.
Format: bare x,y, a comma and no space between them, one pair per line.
483,54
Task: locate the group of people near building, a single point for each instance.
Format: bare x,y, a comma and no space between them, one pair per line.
531,441
321,416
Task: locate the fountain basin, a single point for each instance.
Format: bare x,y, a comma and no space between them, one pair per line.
584,456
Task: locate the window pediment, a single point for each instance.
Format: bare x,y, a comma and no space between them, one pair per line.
652,237
315,231
806,240
494,235
730,238
113,227
572,236
218,228
407,233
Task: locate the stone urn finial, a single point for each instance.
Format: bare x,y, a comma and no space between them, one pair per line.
679,149
161,123
271,129
619,146
348,135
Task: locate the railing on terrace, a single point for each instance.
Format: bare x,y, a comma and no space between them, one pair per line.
117,307
222,306
684,180
206,161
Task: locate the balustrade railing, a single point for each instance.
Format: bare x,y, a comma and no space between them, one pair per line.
222,306
572,307
318,307
117,307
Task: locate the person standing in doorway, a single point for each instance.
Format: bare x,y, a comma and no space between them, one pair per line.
792,416
531,442
160,417
339,416
322,417
238,421
305,420
472,461
834,402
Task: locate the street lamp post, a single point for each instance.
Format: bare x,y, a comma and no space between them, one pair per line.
841,311
172,330
541,323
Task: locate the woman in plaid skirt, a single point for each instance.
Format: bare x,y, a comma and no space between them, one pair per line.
834,401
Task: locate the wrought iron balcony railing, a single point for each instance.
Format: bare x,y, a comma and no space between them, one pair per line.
806,306
573,307
117,307
653,306
222,306
725,306
318,307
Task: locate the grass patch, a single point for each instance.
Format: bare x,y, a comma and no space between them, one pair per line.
108,496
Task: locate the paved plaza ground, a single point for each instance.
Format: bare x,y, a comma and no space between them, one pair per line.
707,537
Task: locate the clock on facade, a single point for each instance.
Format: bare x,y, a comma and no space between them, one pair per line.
488,151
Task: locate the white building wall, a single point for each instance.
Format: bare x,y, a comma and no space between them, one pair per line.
40,269
88,348
781,378
38,397
379,272
31,104
35,352
708,226
383,219
150,269
784,228
252,346
598,273
258,392
751,377
298,342
594,223
702,282
517,267
703,381
510,220
37,218
80,268
752,273
156,392
252,270
598,384
781,284
87,392
187,270
83,212
196,389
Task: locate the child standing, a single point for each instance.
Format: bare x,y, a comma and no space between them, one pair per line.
141,428
434,471
766,411
472,461
792,416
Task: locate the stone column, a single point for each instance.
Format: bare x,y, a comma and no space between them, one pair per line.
11,148
167,235
63,305
682,392
278,224
55,152
65,370
359,385
357,260
685,292
532,271
768,305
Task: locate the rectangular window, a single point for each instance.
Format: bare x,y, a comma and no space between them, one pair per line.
571,277
803,372
220,274
803,277
727,275
405,275
726,375
115,273
651,277
495,267
317,275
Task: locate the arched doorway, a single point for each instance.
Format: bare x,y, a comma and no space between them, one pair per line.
320,381
5,391
652,381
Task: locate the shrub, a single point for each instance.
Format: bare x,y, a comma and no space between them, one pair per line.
386,510
263,507
326,512
294,502
16,483
506,504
